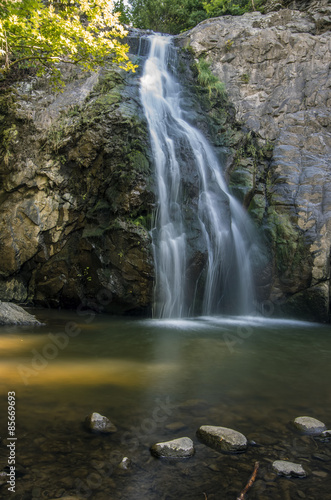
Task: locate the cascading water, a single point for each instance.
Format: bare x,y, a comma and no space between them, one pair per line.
223,282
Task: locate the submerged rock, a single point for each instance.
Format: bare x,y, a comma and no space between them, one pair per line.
12,314
284,468
98,423
222,439
71,497
309,425
177,448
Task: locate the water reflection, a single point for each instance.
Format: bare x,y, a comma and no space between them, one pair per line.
158,380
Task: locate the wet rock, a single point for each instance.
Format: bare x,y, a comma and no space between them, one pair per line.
177,448
3,478
320,473
12,314
321,457
309,425
222,439
301,494
69,498
99,424
284,468
326,434
67,233
125,464
269,476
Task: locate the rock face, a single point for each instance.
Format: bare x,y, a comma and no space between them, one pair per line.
76,193
222,439
12,314
275,70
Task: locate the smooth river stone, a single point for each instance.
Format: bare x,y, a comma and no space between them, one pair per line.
177,448
285,468
309,425
98,423
222,439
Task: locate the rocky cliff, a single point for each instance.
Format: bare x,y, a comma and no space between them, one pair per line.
76,194
275,68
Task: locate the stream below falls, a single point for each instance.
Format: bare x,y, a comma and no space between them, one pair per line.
158,380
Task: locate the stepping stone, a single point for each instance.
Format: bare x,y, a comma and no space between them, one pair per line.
177,448
285,468
222,439
309,425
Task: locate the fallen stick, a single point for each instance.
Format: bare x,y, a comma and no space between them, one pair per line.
250,482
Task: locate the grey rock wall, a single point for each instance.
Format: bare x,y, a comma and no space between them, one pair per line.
276,69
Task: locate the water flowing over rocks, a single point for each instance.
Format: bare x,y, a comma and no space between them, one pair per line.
275,70
222,439
309,425
285,468
12,314
177,448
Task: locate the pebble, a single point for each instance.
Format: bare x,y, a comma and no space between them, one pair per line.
320,473
177,448
269,476
321,457
175,426
285,468
309,425
301,494
126,464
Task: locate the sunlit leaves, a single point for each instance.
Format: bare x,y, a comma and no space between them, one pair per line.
43,34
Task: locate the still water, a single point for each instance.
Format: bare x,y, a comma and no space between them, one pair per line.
158,380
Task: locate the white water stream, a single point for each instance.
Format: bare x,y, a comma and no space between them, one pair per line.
225,230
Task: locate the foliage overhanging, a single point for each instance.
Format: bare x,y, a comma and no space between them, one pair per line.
43,33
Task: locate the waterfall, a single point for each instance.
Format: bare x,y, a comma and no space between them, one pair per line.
201,246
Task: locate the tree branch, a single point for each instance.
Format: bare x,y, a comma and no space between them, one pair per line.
250,482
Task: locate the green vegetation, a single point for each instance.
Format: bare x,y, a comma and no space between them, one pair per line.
42,34
165,16
288,242
245,78
8,140
215,8
207,79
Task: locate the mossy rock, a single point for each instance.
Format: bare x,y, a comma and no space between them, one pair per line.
139,162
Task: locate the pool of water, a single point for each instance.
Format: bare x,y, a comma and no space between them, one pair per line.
156,381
